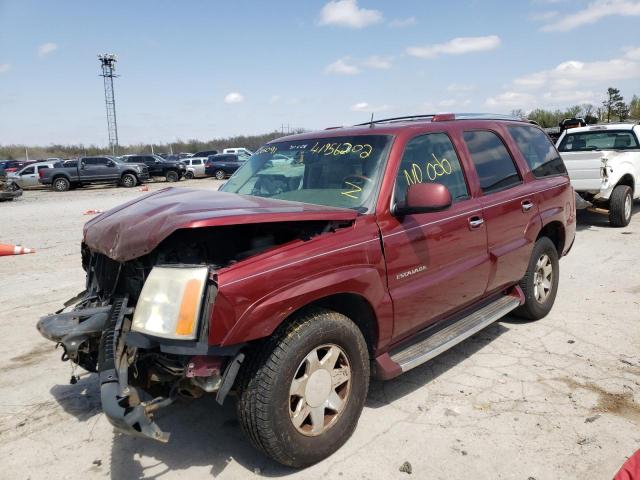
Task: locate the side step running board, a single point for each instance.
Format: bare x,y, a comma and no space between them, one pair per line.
424,349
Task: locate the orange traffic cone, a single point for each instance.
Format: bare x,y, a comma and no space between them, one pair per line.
144,188
92,212
14,250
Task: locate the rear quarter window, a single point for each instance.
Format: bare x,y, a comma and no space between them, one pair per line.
538,151
492,160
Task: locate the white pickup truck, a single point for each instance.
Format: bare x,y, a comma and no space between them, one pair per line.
603,162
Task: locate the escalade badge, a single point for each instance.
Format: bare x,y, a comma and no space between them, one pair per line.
408,273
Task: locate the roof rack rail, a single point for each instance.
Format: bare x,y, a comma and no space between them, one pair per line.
446,116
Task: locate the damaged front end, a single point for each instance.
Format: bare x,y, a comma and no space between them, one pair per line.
148,355
143,324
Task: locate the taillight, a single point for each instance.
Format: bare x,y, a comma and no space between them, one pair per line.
41,173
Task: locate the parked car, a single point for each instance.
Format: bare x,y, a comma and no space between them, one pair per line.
158,166
379,246
195,167
204,154
223,165
10,166
29,175
604,165
89,170
8,189
238,151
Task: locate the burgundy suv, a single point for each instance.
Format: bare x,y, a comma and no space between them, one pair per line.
327,257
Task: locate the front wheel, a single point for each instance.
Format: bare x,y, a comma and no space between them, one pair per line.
620,205
188,175
129,180
219,174
303,390
540,283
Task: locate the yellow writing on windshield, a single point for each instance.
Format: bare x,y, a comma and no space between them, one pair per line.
363,149
267,149
432,171
355,193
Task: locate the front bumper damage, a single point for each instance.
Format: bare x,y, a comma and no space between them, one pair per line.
96,335
121,402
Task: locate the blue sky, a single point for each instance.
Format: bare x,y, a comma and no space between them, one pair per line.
205,69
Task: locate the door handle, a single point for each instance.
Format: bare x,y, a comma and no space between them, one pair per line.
526,205
475,222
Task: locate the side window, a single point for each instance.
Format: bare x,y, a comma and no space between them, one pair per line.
101,162
494,165
28,171
538,151
431,158
90,161
197,162
42,167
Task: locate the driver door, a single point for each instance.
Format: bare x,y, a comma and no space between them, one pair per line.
437,262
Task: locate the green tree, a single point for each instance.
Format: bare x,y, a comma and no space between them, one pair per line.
634,108
613,101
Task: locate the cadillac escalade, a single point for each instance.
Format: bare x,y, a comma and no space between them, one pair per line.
361,251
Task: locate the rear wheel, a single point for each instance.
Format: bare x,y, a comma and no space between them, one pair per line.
302,392
172,176
188,175
129,180
620,206
219,174
540,283
61,184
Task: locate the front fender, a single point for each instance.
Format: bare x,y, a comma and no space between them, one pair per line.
266,314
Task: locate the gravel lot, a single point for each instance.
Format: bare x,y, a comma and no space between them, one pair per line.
559,398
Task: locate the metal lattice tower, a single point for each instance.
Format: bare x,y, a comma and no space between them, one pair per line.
108,64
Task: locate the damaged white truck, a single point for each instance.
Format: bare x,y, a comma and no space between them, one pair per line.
603,162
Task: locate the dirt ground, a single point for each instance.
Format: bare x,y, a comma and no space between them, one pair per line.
558,398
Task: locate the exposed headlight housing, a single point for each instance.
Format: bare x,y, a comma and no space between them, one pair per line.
170,302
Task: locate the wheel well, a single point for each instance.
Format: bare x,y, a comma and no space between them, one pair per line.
555,232
627,180
60,175
128,172
356,308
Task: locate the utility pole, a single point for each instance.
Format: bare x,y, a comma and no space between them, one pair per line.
108,65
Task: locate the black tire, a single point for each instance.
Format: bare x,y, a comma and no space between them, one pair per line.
265,404
128,180
219,174
620,206
172,176
61,184
534,308
189,175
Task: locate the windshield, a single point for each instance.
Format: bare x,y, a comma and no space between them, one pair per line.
598,140
337,172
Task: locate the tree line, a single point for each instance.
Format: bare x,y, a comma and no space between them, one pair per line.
252,142
612,109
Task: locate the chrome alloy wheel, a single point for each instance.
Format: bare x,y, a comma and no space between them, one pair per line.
627,207
543,278
320,390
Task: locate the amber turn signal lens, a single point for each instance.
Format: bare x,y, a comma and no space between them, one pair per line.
188,312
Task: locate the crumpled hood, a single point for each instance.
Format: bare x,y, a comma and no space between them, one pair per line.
137,227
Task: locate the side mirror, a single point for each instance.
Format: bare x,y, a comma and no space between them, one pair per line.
425,197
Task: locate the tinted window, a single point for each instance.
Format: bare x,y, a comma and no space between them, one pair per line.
598,140
28,171
197,162
493,163
43,167
538,151
430,159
